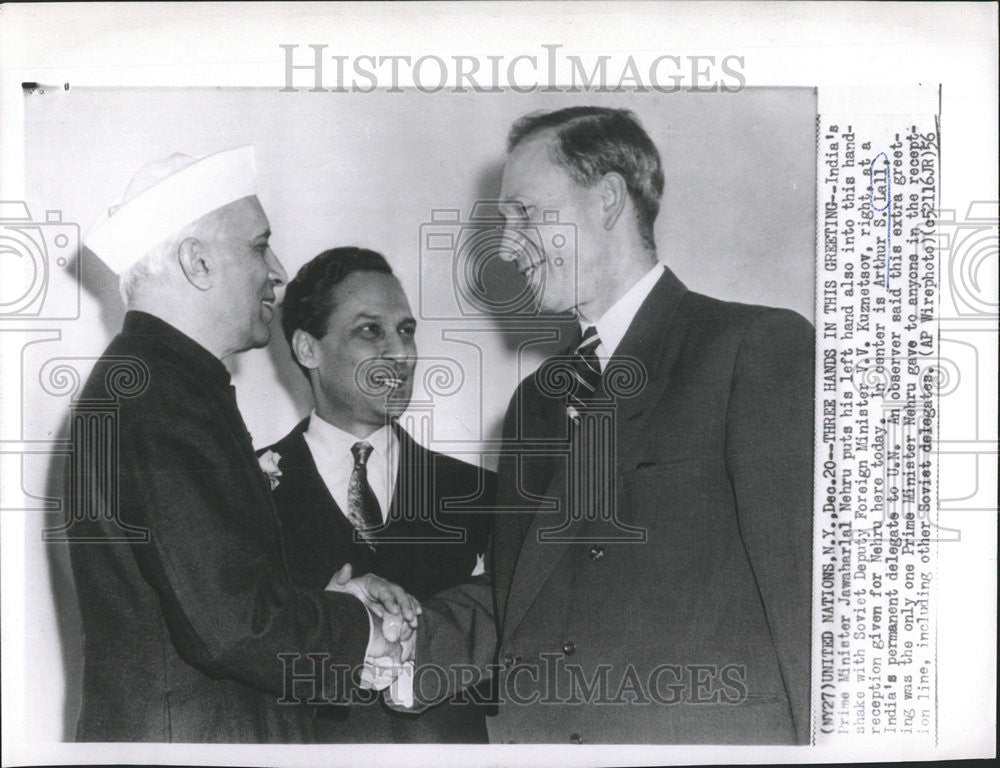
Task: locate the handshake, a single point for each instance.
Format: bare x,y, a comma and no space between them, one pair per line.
393,615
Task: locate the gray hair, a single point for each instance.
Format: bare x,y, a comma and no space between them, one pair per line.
592,141
155,265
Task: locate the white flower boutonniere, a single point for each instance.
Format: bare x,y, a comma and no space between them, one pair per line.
269,465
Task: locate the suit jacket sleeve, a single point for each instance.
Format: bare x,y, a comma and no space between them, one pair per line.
458,625
770,460
214,555
456,632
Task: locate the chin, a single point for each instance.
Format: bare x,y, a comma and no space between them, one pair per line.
396,408
394,411
260,343
555,308
553,304
262,335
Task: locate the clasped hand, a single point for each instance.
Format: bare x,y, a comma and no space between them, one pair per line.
394,621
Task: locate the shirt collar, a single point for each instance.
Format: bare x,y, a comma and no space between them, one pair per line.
614,323
191,355
337,443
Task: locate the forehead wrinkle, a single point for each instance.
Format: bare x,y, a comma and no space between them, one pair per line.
242,220
364,294
374,314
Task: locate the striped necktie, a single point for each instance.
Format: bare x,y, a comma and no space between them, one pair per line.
362,507
587,372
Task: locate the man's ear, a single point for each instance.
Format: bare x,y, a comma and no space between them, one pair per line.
195,263
304,349
614,195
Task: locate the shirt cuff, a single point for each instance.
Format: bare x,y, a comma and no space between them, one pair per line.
400,692
371,631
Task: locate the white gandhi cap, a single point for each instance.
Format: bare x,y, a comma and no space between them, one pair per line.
165,197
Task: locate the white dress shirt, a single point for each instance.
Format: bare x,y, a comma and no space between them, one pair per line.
613,324
330,447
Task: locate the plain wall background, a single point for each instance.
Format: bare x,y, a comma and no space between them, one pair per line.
737,221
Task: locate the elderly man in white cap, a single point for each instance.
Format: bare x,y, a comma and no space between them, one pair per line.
196,633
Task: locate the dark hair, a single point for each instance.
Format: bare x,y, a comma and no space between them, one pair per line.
308,298
593,141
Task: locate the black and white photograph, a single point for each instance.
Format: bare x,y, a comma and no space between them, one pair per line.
411,399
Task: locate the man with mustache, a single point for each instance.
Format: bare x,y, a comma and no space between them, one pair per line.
355,488
651,566
189,615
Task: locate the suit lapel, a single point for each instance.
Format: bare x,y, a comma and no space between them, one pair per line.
417,497
536,559
305,484
541,422
643,346
411,491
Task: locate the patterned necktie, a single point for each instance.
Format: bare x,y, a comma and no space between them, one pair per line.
586,371
362,506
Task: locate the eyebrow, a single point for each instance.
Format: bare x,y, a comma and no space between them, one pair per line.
265,235
369,316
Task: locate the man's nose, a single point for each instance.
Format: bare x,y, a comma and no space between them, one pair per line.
276,272
398,349
508,243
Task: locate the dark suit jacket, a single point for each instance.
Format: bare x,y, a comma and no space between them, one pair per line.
425,548
182,633
700,633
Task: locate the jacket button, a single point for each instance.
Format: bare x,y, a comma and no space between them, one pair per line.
596,552
568,648
574,738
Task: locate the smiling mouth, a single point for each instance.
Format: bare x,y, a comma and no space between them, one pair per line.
530,268
388,380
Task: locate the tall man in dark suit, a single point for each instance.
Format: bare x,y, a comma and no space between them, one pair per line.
651,565
355,488
190,618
